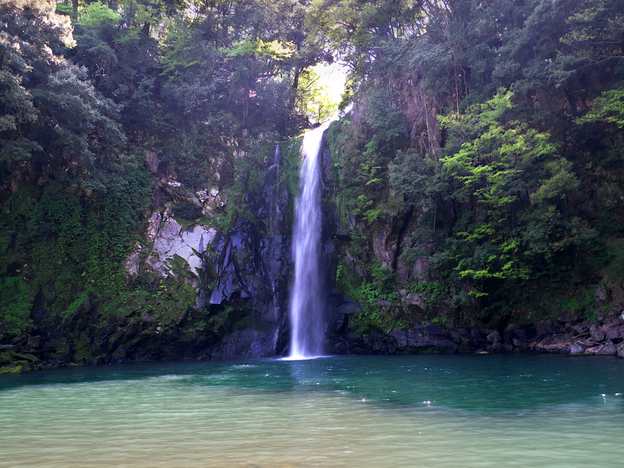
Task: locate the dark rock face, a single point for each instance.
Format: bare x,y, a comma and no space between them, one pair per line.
249,268
248,265
544,337
247,343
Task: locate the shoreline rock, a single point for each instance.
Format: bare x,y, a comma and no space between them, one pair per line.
573,337
566,335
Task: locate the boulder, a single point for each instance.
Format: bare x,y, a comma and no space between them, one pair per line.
496,346
596,333
577,348
620,350
509,332
519,333
579,329
432,330
608,349
475,336
400,337
416,300
613,333
493,336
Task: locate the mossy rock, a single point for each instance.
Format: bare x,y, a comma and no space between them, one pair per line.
83,351
62,349
27,357
10,370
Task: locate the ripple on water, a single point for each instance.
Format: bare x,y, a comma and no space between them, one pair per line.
364,412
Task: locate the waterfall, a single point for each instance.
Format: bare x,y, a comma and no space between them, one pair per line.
306,302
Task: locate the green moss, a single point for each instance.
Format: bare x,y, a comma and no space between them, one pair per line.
11,369
62,349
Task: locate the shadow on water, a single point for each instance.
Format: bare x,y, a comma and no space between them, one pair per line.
473,383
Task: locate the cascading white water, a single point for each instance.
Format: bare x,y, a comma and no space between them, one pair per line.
306,305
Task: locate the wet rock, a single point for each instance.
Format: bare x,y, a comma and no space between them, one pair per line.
397,341
573,318
577,348
509,332
620,350
493,336
608,349
520,333
247,343
415,340
613,334
596,333
340,323
342,304
495,347
377,342
464,337
432,330
400,337
579,329
475,336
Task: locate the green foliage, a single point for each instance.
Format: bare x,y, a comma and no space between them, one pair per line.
377,293
516,187
358,30
314,99
607,108
16,297
186,210
97,15
493,170
595,29
509,221
72,244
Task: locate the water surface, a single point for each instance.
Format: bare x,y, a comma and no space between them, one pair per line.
384,411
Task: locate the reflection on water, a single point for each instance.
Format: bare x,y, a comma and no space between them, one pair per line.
424,411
